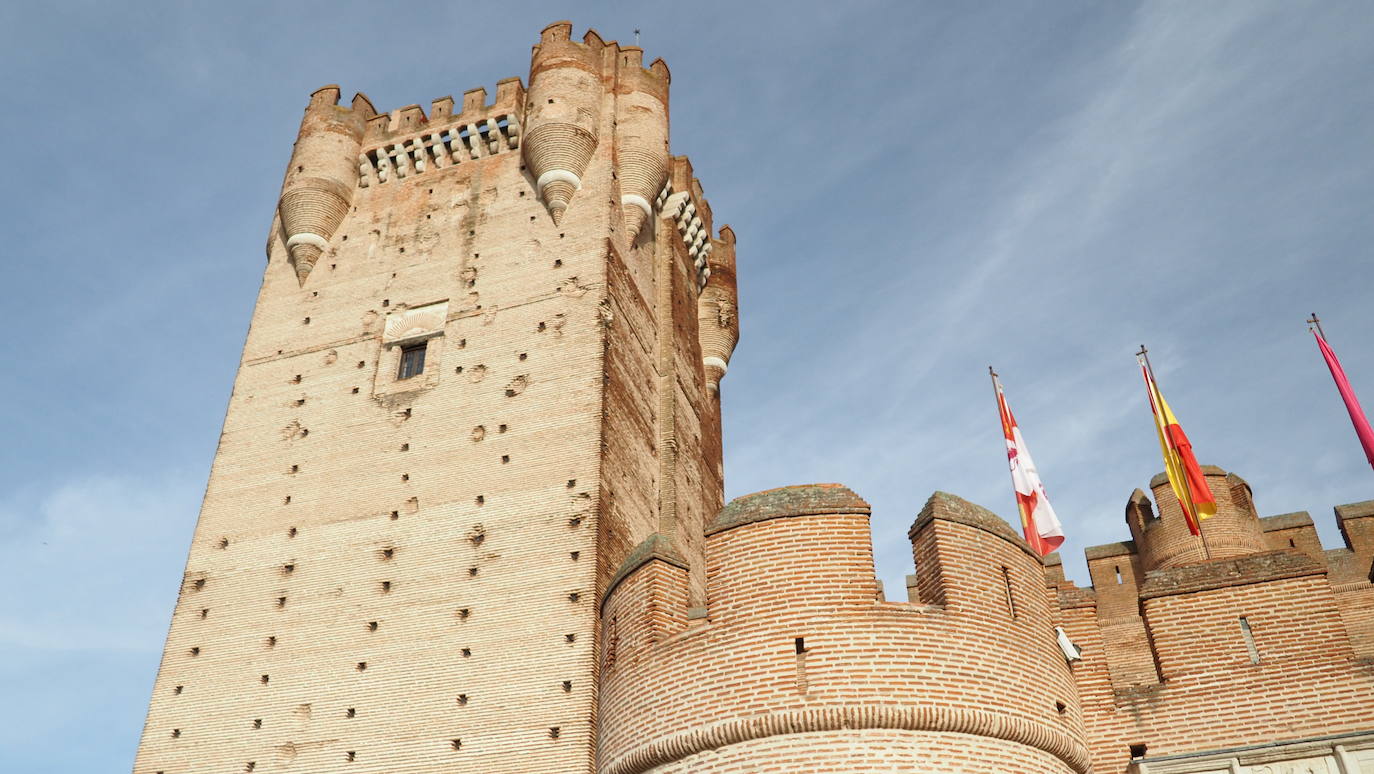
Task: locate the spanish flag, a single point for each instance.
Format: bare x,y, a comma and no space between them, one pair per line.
1185,475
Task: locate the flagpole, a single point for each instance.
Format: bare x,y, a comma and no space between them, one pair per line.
1316,321
1150,369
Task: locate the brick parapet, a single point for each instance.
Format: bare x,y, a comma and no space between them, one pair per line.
656,547
1183,656
1109,550
1164,537
786,502
1356,522
1222,573
1283,521
797,643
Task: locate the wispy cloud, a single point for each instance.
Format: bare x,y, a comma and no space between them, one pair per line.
110,546
919,189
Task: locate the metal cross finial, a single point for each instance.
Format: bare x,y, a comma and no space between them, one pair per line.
1315,322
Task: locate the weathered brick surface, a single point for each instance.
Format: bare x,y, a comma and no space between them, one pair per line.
402,575
1166,663
943,686
518,560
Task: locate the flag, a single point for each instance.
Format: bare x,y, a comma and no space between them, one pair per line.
1352,404
1038,522
1185,475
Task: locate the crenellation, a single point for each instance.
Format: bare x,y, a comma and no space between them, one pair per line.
1181,633
808,614
470,485
441,110
1356,522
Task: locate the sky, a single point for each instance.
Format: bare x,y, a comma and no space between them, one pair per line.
919,189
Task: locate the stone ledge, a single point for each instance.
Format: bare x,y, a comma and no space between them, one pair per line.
785,502
1207,470
1286,521
1108,550
1241,571
1271,756
656,546
1070,599
947,507
1355,510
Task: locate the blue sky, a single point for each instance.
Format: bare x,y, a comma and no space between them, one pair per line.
919,190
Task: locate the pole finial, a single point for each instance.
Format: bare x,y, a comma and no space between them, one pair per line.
1315,323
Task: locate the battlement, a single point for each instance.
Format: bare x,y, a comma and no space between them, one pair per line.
328,96
406,142
1236,530
795,638
1191,643
1164,538
555,41
589,102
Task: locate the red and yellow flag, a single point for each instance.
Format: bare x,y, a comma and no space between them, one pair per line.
1185,475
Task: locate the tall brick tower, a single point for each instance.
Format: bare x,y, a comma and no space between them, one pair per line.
466,513
483,366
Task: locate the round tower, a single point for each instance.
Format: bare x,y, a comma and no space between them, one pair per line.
641,135
322,175
1163,538
797,664
562,114
718,309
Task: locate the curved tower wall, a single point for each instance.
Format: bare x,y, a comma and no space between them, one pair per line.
1163,536
796,658
322,175
562,114
718,309
641,136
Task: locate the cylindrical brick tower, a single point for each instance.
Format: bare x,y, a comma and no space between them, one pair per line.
718,309
1163,537
797,664
322,176
562,114
641,135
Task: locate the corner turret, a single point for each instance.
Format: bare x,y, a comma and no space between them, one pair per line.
641,135
322,175
836,677
718,309
562,113
1165,540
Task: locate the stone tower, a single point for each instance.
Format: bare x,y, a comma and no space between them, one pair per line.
483,367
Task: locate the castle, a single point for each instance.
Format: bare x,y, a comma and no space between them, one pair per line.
466,513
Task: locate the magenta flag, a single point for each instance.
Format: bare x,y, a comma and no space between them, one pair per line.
1352,403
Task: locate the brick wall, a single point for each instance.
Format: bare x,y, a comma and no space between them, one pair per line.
796,651
1261,644
401,574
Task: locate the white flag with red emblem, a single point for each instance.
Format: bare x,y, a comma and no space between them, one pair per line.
1041,527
